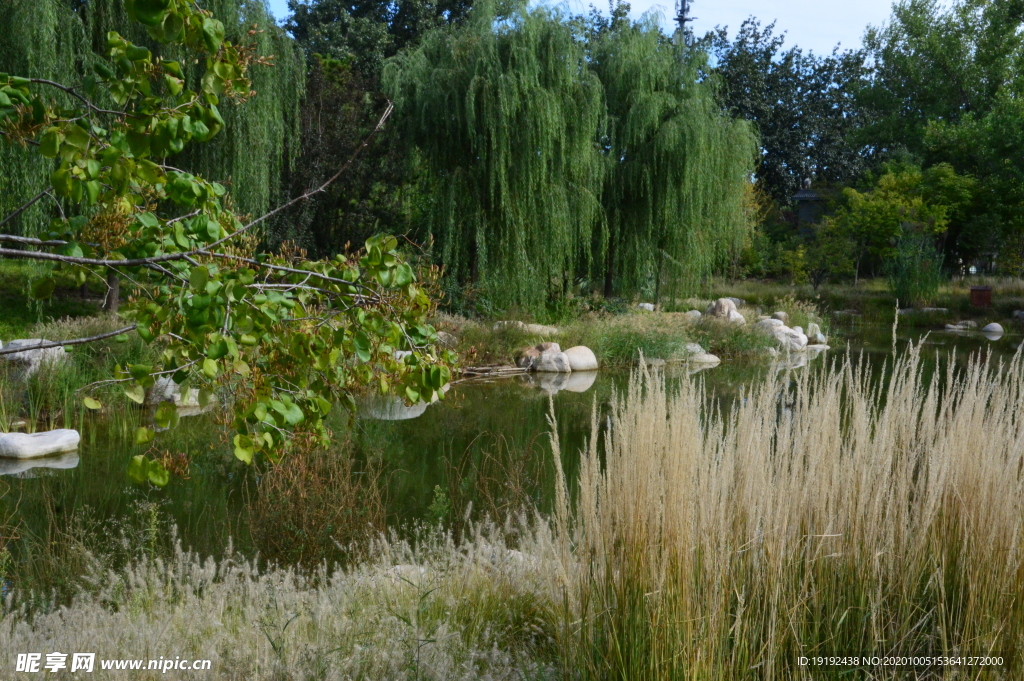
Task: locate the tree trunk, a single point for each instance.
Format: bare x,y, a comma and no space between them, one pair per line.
113,299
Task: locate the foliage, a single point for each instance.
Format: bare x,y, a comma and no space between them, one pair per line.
804,107
363,34
676,186
829,254
903,200
284,336
504,112
63,41
915,270
339,112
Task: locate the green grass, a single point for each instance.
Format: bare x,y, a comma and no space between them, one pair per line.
20,314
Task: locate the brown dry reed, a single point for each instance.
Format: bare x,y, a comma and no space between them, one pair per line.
824,514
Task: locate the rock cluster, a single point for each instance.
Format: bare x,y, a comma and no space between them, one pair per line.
725,308
793,339
549,358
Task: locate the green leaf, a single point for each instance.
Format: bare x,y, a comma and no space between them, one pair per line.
140,371
136,393
403,275
90,403
244,448
210,368
50,142
76,136
157,474
166,415
138,468
143,435
213,34
198,277
42,288
362,344
149,12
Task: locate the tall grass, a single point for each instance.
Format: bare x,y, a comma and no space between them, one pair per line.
833,517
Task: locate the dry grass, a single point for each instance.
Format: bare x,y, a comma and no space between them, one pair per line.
836,519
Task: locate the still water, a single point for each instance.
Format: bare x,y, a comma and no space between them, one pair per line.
487,445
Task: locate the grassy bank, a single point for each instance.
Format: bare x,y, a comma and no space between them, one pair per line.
819,517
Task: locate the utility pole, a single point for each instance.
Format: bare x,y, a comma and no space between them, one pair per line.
682,18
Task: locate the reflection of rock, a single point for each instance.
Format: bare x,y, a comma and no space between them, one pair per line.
30,446
581,358
551,383
164,389
29,360
390,408
935,310
21,467
991,335
792,360
813,351
580,381
646,306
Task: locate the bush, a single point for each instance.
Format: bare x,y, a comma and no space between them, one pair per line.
915,273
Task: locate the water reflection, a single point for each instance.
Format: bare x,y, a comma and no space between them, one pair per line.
32,468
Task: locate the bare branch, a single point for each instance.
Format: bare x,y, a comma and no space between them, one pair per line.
70,91
61,344
18,211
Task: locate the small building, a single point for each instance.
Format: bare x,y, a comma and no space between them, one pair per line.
810,206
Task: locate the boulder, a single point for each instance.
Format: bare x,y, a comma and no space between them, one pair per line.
23,468
781,316
790,339
509,324
581,358
447,340
164,389
1019,315
721,308
770,324
935,310
814,335
542,330
693,314
906,311
992,328
736,318
694,349
703,358
738,302
646,306
548,347
30,446
552,362
526,357
31,358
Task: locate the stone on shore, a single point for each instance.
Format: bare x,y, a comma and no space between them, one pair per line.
814,335
781,315
720,308
31,358
30,446
581,358
552,362
693,314
992,328
646,306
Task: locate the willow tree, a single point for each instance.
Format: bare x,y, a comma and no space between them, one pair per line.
63,40
504,113
678,168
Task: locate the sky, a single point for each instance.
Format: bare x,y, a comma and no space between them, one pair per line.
816,25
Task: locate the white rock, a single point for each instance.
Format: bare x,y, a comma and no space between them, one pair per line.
542,330
401,354
935,310
446,339
30,446
736,318
906,311
29,360
552,362
770,324
510,324
781,316
703,358
581,358
1018,314
738,302
693,314
646,306
992,328
694,349
164,389
20,467
721,308
814,335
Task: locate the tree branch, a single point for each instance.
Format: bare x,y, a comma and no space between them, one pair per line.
61,344
18,211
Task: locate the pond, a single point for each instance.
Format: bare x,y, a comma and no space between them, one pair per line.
486,444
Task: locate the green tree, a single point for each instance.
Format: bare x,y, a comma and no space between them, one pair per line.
804,107
284,336
678,168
